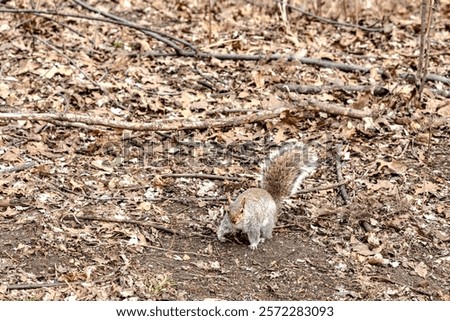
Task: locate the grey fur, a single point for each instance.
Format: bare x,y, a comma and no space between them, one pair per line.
254,212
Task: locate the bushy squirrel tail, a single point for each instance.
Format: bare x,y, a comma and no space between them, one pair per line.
285,170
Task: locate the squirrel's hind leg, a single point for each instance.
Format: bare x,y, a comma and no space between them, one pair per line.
266,231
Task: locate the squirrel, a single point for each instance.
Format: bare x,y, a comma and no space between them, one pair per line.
254,212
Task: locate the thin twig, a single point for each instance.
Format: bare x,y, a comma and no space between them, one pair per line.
151,33
322,19
428,8
202,176
134,222
385,279
302,89
9,255
322,188
307,61
62,24
157,125
226,110
122,22
421,66
69,60
176,252
77,125
342,188
37,286
333,22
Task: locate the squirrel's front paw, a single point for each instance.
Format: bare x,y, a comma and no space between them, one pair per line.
253,246
221,236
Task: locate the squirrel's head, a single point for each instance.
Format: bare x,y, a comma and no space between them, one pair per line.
236,210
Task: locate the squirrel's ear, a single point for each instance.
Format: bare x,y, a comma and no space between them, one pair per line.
243,202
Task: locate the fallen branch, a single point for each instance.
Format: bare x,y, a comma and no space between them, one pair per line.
179,52
307,61
184,123
377,91
220,56
163,37
37,286
157,125
18,168
301,89
217,177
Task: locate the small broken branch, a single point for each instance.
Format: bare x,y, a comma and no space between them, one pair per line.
429,77
114,220
366,226
13,202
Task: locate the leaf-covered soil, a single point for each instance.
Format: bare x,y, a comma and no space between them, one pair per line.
96,214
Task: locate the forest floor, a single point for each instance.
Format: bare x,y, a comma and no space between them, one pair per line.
95,209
